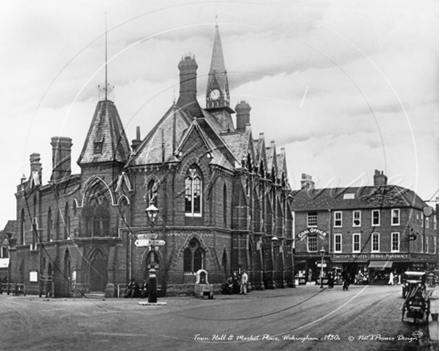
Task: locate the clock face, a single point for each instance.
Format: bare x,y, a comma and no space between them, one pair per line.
215,94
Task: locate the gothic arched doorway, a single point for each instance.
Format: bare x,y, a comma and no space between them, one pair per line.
98,272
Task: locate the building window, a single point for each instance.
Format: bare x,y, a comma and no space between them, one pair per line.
4,252
338,242
395,216
22,228
356,218
225,206
435,245
312,219
97,148
426,222
395,242
338,219
193,257
312,244
96,211
435,222
421,243
66,221
356,243
193,193
151,193
49,225
375,247
427,244
375,217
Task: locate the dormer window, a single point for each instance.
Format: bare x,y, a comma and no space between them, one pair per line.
97,147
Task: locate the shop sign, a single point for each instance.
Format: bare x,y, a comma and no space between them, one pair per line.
372,256
311,231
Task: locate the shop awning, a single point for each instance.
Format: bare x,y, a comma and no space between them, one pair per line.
380,264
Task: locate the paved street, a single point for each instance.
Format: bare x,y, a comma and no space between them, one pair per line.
304,318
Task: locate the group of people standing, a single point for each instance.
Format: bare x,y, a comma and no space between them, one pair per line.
236,284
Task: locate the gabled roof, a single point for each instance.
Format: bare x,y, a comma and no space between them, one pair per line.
107,134
241,144
216,151
271,157
260,152
389,196
160,144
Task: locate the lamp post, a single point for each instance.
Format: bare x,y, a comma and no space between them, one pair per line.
322,252
152,212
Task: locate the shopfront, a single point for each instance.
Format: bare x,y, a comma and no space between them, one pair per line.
376,268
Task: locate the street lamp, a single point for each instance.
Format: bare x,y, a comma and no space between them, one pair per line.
152,212
322,252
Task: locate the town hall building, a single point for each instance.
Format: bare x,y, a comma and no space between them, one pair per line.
221,191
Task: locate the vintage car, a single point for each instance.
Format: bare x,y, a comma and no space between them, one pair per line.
412,279
416,305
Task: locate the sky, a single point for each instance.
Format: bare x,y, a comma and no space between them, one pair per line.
346,87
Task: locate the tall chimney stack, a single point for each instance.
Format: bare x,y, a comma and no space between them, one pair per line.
136,142
61,157
188,86
243,110
380,179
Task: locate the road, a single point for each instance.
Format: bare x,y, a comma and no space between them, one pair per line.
304,318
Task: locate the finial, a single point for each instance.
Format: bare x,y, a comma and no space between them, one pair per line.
216,18
106,84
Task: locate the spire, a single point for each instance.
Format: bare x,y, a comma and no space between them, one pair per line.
217,79
106,140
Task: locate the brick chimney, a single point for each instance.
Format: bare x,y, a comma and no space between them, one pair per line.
188,86
380,179
307,182
243,110
136,142
61,157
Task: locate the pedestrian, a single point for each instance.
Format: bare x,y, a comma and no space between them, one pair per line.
235,283
391,280
144,289
132,289
331,279
345,280
243,283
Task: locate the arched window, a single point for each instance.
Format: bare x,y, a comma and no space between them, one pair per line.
123,211
49,225
225,206
193,192
22,227
97,211
151,193
193,257
66,221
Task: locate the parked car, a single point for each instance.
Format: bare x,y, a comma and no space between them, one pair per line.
413,279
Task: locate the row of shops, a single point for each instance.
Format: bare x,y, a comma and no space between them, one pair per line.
362,268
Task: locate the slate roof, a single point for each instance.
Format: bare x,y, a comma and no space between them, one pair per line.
106,128
10,227
160,144
389,196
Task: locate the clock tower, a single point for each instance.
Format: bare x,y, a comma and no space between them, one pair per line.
217,92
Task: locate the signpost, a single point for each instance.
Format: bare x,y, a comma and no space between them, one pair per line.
147,236
149,242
